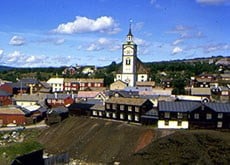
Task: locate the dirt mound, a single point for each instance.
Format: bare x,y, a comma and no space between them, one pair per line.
96,140
186,147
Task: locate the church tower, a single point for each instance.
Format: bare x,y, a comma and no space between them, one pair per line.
132,69
129,59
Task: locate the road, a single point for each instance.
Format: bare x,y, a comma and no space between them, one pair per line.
38,125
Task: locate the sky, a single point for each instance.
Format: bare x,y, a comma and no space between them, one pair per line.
53,33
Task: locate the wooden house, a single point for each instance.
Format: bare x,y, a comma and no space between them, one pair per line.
98,110
204,81
210,116
56,84
91,83
82,107
175,115
71,85
12,115
57,114
20,88
224,94
57,99
26,100
32,83
127,109
166,83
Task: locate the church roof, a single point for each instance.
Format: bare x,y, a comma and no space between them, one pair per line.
141,69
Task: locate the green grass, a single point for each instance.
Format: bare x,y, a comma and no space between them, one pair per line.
12,150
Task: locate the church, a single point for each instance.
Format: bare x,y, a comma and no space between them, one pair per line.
132,70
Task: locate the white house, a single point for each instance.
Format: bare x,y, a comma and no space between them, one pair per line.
56,84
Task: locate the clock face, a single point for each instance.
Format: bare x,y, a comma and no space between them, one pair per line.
128,51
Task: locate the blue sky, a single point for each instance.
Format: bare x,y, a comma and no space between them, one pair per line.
42,33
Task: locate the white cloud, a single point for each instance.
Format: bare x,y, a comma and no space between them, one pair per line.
213,2
1,52
101,44
59,41
83,25
176,42
177,50
94,47
31,59
17,41
14,57
215,47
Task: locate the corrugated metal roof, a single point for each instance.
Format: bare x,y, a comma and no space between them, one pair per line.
178,106
219,107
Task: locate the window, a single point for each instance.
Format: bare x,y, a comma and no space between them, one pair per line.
219,124
114,115
122,107
107,106
167,115
95,113
179,115
121,116
100,113
220,115
136,118
129,117
196,116
166,122
208,116
114,106
107,114
179,123
127,61
129,108
137,109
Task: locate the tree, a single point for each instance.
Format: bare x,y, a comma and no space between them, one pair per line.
179,86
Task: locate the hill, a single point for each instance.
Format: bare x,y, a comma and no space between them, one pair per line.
103,141
5,68
186,147
96,140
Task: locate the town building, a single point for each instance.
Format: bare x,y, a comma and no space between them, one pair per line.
56,84
127,109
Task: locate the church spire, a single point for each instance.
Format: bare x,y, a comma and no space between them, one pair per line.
130,35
